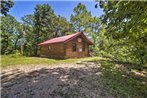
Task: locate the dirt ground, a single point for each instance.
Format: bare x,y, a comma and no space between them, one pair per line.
56,81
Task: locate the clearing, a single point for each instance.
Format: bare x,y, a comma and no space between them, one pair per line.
72,78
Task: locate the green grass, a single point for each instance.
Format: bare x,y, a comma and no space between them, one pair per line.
122,83
10,60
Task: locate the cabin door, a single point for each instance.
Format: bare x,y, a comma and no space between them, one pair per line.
80,50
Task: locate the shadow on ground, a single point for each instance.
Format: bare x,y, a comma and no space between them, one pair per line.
99,79
53,83
123,80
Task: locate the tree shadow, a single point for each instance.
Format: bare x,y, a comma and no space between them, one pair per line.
53,83
125,66
82,82
121,77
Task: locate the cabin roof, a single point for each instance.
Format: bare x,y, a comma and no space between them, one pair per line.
64,39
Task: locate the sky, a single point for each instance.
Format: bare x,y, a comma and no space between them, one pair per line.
60,7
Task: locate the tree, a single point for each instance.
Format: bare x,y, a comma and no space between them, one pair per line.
42,23
60,26
126,27
93,31
81,18
48,25
29,40
5,6
83,21
28,20
9,33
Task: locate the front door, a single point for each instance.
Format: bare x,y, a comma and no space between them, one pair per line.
80,50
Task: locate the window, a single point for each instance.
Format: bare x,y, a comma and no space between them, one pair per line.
80,49
79,40
49,47
74,47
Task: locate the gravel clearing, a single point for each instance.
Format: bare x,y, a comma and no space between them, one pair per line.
81,80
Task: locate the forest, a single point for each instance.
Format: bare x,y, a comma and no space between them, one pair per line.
116,68
120,33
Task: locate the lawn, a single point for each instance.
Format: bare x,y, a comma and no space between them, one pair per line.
10,60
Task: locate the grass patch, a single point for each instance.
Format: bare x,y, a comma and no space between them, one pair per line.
10,60
121,83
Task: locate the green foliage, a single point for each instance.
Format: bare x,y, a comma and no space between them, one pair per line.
28,28
35,28
5,6
81,18
9,34
42,25
121,35
28,20
126,30
60,26
43,15
83,21
47,24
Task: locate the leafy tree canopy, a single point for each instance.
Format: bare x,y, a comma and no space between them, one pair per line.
5,6
126,27
81,18
10,31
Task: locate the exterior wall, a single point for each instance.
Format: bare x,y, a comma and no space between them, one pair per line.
65,50
76,54
55,51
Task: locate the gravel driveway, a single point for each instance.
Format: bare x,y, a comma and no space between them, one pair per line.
55,81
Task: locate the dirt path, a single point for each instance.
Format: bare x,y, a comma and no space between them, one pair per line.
56,81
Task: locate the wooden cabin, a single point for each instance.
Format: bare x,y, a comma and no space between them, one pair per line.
70,46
